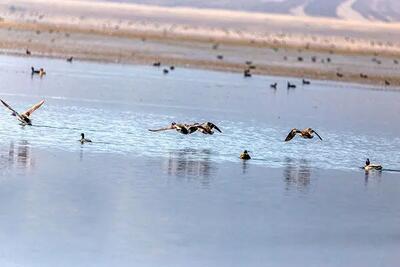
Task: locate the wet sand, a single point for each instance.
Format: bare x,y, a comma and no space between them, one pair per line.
276,44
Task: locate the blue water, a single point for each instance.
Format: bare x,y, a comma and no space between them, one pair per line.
136,198
116,104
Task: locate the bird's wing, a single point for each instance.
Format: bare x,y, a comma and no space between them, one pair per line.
291,135
317,135
212,125
33,108
161,129
193,128
14,113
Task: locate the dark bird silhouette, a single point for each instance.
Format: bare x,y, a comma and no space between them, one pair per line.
165,71
387,82
84,140
290,85
340,75
305,82
273,85
28,52
247,73
364,76
157,64
172,67
299,58
70,59
220,57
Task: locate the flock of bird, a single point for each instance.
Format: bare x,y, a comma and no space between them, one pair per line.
206,128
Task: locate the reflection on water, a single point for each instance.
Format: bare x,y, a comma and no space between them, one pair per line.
189,163
245,167
297,174
18,155
374,176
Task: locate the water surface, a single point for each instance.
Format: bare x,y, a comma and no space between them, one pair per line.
164,199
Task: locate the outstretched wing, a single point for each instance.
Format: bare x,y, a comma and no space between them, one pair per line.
14,113
291,135
212,125
33,108
161,129
317,134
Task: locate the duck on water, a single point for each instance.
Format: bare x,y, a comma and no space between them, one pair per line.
369,166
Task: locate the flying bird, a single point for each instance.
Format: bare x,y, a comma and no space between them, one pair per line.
24,117
180,128
307,133
207,127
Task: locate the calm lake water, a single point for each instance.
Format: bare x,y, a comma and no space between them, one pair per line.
163,199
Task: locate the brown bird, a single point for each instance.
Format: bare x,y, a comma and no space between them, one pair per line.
207,127
24,117
180,128
307,133
245,155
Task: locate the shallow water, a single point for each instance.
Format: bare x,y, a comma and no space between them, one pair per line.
164,199
115,105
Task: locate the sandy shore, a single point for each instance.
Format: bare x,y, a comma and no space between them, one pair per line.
276,44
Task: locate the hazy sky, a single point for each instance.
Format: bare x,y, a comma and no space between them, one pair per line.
384,10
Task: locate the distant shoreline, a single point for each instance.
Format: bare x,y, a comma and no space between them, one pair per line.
275,44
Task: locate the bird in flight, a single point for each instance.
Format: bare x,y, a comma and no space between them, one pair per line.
307,133
207,127
24,117
180,128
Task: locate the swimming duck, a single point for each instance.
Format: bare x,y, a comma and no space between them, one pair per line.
247,73
307,133
40,71
207,127
290,85
305,82
368,166
70,59
180,128
84,140
273,85
245,155
34,71
24,117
